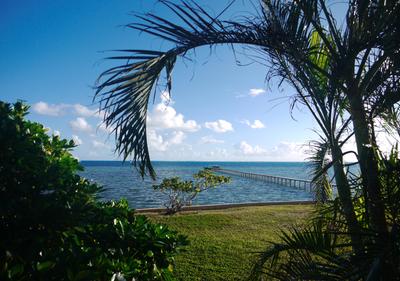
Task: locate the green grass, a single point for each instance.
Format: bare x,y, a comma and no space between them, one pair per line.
223,242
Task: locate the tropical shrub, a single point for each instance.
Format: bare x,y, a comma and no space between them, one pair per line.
182,192
52,225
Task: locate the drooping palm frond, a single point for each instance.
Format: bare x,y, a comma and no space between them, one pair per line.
124,96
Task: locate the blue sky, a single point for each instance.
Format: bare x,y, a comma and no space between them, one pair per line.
51,53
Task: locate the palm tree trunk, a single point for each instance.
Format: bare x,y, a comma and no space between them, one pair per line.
343,188
368,167
369,170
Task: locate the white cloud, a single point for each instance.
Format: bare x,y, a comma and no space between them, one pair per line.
162,143
247,149
210,139
43,108
256,92
177,138
56,133
165,117
84,111
80,124
257,124
219,126
156,141
76,140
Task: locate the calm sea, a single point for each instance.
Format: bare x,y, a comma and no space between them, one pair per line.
122,181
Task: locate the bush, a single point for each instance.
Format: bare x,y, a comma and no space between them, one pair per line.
181,193
52,225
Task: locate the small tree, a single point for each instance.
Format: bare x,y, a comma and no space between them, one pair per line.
182,192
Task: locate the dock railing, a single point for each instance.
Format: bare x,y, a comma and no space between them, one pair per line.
301,184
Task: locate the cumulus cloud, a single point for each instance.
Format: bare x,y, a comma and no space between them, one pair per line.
84,111
156,141
248,149
43,108
76,140
257,124
80,124
167,127
56,133
162,143
219,126
256,92
177,137
210,139
165,117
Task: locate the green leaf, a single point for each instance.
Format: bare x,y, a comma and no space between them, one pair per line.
46,265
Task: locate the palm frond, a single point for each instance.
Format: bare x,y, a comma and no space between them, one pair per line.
319,165
306,254
123,97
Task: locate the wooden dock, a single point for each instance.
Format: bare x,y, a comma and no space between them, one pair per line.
305,185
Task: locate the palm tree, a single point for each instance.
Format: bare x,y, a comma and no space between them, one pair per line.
337,72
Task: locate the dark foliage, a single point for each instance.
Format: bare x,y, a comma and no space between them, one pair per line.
53,227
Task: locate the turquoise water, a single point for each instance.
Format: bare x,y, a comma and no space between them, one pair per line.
122,181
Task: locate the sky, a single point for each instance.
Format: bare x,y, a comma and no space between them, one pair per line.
52,52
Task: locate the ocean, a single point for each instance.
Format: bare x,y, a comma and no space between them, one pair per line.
121,180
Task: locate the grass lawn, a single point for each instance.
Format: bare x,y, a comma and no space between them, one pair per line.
223,242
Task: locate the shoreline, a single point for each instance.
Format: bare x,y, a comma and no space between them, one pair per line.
224,206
